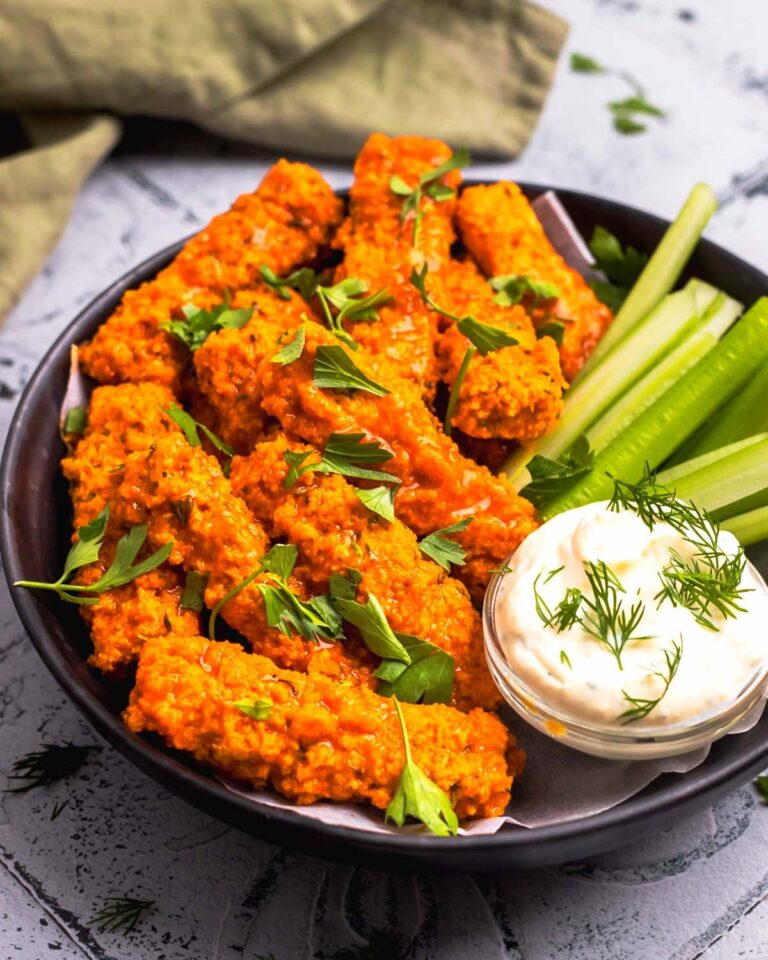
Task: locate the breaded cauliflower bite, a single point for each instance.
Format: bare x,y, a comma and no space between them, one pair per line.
283,224
122,420
512,393
501,230
335,533
321,740
180,492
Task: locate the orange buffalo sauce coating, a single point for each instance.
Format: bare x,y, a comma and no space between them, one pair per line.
513,393
292,213
379,248
438,487
122,420
501,230
322,740
335,532
180,492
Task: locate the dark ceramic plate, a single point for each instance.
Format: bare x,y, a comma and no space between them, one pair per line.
34,537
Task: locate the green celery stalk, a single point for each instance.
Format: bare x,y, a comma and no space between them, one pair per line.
749,527
643,347
662,270
669,476
720,315
746,414
663,426
727,480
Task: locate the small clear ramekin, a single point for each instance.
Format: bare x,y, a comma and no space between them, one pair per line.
617,742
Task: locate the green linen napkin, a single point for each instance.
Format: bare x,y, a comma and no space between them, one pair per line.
310,76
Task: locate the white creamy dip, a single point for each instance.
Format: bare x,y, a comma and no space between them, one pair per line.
577,675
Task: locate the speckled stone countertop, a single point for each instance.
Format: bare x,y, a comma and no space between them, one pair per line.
696,891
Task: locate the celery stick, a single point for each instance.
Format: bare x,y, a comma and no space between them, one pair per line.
727,480
743,416
720,315
662,270
675,316
749,527
669,476
661,428
746,505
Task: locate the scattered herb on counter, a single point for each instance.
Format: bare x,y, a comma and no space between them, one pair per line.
427,185
198,324
119,913
86,550
194,588
419,797
190,428
58,808
293,349
344,453
255,709
75,420
51,763
550,478
640,706
336,370
626,111
438,547
622,265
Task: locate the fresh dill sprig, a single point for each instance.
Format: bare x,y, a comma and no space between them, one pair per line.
51,763
120,913
605,617
641,706
710,578
567,612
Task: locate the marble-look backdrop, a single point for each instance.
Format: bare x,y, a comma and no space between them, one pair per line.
697,890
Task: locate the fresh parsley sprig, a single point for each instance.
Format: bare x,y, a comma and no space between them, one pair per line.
198,323
191,429
335,370
49,764
513,288
640,707
303,280
550,478
86,550
438,547
75,420
428,185
348,454
194,589
419,797
255,709
314,619
292,350
379,500
622,265
120,913
626,111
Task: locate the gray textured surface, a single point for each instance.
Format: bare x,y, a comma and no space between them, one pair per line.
698,890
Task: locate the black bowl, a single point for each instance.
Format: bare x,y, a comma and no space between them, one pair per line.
34,537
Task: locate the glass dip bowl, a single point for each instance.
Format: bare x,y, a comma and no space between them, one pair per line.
616,741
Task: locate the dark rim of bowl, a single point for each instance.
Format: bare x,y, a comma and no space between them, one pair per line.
205,791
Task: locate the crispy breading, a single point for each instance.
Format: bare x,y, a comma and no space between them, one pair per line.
122,420
292,213
335,532
180,492
501,230
439,486
322,740
513,393
379,248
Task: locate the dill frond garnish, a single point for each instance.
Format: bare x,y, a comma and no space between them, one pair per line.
120,913
51,763
640,706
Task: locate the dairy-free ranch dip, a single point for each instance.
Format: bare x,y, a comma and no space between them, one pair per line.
613,618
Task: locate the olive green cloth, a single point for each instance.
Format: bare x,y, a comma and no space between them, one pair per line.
309,76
